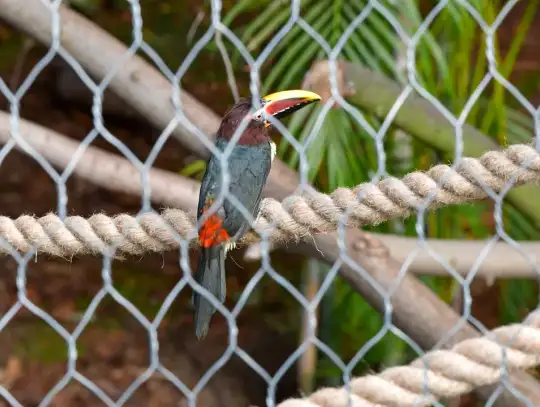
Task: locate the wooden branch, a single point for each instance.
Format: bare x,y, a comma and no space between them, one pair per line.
442,257
145,90
102,168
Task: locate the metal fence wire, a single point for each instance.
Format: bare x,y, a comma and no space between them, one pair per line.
217,32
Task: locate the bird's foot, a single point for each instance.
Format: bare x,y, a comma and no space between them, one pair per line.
230,245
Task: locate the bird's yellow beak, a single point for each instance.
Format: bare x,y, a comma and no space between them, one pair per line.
280,104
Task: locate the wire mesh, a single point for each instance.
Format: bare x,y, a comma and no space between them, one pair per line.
217,31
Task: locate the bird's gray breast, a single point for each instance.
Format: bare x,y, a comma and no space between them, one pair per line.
248,167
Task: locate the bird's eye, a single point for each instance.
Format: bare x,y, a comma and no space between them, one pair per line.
259,116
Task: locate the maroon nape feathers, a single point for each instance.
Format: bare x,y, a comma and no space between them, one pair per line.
254,133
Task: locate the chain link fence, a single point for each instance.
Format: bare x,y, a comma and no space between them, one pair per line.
217,32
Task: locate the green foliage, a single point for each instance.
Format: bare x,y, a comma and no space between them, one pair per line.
50,349
195,169
520,296
450,64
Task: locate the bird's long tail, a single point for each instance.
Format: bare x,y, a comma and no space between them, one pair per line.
210,274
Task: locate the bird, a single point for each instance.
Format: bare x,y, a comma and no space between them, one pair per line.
248,166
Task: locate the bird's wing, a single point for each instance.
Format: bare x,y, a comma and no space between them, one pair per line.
248,168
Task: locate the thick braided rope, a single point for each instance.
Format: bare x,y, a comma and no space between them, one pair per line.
469,364
296,218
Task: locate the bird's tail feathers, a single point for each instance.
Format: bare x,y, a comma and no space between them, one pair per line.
210,275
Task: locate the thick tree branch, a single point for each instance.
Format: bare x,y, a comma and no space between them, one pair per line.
100,167
145,90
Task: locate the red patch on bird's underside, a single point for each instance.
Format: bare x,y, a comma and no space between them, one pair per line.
212,232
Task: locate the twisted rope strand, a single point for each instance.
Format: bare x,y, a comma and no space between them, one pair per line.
296,218
469,364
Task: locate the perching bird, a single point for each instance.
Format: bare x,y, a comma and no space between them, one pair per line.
248,166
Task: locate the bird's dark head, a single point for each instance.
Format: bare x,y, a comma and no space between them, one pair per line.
277,105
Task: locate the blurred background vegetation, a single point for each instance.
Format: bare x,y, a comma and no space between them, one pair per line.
450,64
